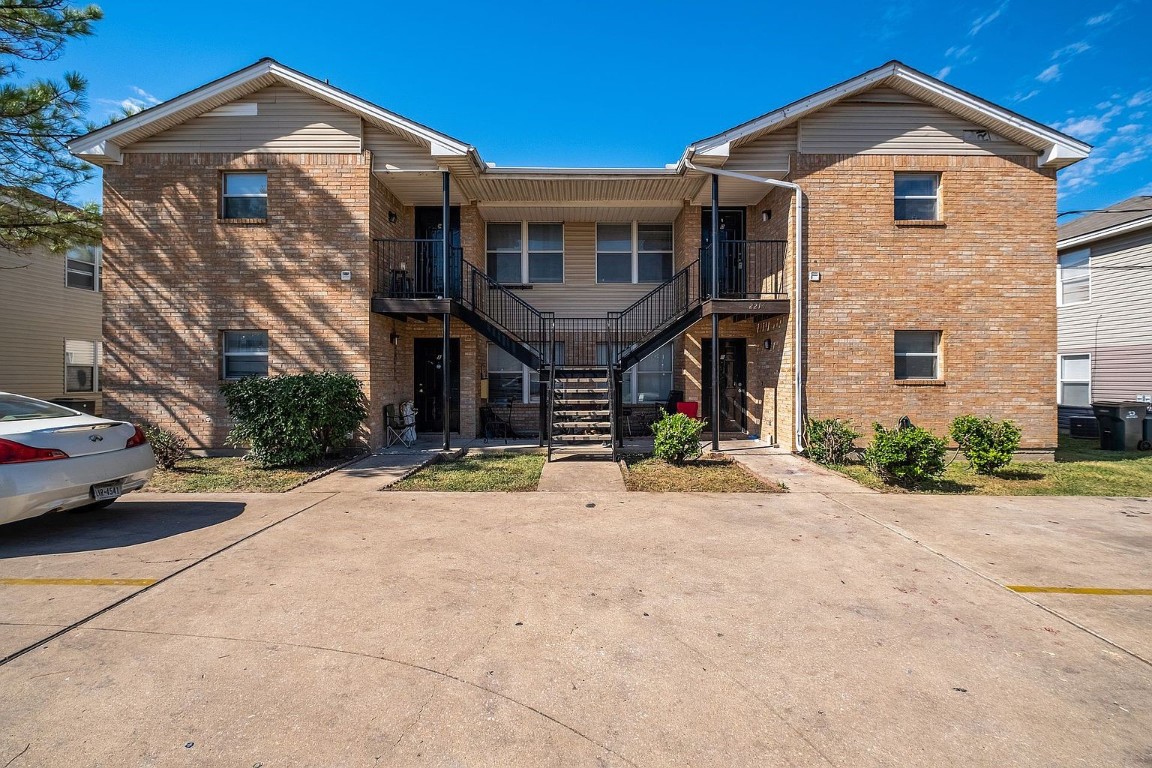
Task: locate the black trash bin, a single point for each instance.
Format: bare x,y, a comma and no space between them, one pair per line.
1146,443
1121,424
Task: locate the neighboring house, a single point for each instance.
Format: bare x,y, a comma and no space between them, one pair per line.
268,222
1104,295
50,345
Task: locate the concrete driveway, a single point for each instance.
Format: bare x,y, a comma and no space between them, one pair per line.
596,628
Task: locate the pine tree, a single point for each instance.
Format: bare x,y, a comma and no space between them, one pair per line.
37,118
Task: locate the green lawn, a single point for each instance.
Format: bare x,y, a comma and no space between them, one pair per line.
230,475
1080,469
710,475
478,472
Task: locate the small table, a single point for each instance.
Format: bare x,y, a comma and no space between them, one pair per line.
400,284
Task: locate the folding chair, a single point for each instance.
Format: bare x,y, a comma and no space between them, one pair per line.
396,428
493,425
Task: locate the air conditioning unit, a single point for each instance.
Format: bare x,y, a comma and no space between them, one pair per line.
1083,427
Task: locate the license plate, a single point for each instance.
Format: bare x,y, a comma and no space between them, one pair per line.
107,490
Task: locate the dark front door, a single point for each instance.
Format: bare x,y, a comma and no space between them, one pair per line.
430,237
429,384
733,384
730,275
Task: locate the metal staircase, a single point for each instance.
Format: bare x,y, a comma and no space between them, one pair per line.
582,412
580,361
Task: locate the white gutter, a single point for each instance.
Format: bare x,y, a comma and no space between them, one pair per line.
798,310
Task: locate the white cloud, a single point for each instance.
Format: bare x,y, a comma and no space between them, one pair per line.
132,104
985,20
1075,49
1022,97
1050,74
944,72
1143,97
957,52
1094,20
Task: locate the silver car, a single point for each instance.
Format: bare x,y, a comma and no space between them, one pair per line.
54,458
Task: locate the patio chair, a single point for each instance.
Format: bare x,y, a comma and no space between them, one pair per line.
493,425
396,428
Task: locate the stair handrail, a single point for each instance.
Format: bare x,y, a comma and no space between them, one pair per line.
550,318
676,291
478,281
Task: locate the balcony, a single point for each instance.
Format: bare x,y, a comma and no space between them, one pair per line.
410,277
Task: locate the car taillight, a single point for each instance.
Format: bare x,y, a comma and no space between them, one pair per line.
137,438
18,453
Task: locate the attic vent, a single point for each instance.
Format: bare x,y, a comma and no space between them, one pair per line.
977,136
235,109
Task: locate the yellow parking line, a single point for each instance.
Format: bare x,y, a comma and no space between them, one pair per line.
1079,590
77,582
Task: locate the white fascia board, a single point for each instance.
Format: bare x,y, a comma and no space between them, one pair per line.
1061,150
92,144
1104,234
104,152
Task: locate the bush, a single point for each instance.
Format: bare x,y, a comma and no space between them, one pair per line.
677,438
830,440
988,445
289,420
907,455
168,446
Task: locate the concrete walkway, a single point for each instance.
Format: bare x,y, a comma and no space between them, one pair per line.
799,475
571,474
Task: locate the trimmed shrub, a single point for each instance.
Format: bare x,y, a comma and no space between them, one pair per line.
677,438
907,455
298,419
830,440
168,446
988,445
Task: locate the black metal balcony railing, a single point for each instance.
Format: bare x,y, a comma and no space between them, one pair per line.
414,269
748,269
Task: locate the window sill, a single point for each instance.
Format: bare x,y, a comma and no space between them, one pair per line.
243,222
920,382
929,223
516,286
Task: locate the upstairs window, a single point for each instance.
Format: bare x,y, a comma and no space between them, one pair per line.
83,269
526,252
917,354
244,195
1074,278
244,354
81,366
916,197
633,253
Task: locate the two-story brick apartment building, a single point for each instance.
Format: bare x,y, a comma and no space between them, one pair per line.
893,233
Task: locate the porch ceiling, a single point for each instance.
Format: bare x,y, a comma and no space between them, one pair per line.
737,192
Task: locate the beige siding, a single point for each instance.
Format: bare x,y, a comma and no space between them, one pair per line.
37,313
1119,312
580,295
770,153
286,121
883,121
390,152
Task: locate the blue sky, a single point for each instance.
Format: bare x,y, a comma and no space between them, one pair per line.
633,83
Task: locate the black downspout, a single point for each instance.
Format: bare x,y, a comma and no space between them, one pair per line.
714,406
446,352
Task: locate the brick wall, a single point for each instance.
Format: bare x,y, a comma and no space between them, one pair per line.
176,276
984,279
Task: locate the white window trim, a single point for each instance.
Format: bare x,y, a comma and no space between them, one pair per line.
224,196
632,375
524,271
1060,277
1060,380
225,354
97,360
526,372
635,251
938,354
934,198
97,264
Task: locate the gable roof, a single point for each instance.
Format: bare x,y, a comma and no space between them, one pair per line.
1124,216
104,144
1056,149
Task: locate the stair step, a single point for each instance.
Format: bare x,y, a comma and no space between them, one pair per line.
594,390
583,401
582,438
570,424
583,450
581,380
